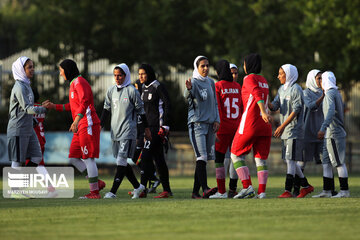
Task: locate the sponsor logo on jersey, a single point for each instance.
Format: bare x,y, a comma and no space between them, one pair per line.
229,91
203,93
125,100
72,94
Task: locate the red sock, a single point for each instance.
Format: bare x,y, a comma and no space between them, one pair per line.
221,185
262,188
246,183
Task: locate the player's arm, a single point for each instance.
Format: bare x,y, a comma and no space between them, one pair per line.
164,96
259,99
58,107
25,103
330,113
106,112
296,106
216,125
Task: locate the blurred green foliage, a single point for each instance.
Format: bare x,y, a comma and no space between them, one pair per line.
323,34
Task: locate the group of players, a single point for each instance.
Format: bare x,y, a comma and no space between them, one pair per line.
223,118
237,119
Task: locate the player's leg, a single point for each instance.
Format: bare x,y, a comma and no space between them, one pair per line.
261,152
89,145
221,146
241,146
328,176
197,133
336,149
306,188
288,154
157,150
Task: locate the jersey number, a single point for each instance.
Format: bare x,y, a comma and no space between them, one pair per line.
233,105
84,150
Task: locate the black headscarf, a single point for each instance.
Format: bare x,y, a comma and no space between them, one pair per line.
253,63
70,68
150,73
222,68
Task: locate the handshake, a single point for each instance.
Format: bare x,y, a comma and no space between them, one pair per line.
47,104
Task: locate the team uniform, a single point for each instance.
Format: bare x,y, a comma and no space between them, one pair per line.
124,103
228,95
202,113
252,133
335,142
157,107
290,99
22,140
85,144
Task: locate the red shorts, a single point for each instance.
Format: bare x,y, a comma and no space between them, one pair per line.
223,142
242,145
86,143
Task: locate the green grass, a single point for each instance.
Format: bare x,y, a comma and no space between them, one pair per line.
182,217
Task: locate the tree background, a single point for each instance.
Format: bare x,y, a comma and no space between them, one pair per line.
323,34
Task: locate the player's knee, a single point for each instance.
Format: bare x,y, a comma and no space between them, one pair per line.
260,162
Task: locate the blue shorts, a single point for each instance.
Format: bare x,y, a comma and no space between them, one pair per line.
334,151
292,149
21,148
202,138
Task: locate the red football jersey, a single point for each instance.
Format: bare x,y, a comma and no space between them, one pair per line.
228,95
254,89
82,103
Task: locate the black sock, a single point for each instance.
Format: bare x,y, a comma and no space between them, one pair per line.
289,182
343,183
297,184
119,176
233,184
329,184
131,176
304,182
201,173
196,186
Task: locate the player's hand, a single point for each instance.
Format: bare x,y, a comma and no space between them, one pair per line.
216,126
266,117
48,104
278,132
136,86
188,84
74,125
321,135
217,139
148,134
163,132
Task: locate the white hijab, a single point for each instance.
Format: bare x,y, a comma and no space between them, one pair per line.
19,71
311,82
291,75
328,81
233,66
196,73
127,81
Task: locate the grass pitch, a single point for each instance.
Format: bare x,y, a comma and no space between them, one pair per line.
182,217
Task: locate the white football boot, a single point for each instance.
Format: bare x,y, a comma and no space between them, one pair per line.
110,195
323,194
246,193
219,195
137,191
342,194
